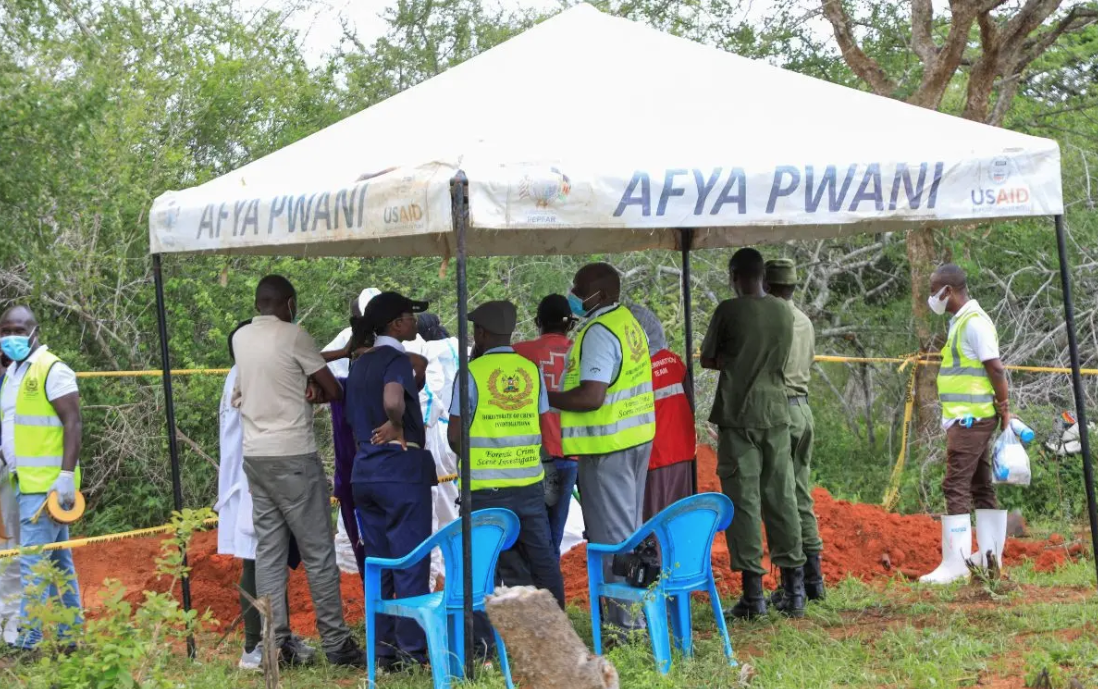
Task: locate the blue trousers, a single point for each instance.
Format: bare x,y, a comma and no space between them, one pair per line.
396,517
567,469
31,534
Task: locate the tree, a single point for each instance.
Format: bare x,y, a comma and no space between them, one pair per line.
989,65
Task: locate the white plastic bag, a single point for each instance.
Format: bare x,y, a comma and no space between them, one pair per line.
1009,461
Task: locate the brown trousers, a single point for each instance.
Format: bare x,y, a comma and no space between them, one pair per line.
968,467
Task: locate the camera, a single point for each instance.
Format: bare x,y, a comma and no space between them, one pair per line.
640,568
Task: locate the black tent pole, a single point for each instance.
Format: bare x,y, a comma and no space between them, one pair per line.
687,237
1077,386
459,196
173,443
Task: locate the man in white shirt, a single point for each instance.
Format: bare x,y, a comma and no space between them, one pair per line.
41,437
281,373
974,393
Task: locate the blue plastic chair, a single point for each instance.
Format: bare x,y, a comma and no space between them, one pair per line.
685,533
441,614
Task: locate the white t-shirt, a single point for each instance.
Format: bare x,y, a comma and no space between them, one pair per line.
980,341
61,381
340,368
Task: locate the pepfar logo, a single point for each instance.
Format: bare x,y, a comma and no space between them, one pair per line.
409,213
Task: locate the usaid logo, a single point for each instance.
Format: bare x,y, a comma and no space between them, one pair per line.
403,214
998,171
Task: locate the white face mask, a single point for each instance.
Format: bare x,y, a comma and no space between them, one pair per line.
937,302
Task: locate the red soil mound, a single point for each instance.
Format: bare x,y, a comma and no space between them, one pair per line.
861,541
214,579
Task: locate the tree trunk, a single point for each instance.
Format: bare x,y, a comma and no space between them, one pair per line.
922,257
542,646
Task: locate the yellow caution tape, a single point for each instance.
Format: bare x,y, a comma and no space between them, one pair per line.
81,542
921,360
138,374
892,493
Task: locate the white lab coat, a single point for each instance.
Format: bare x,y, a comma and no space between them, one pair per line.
236,531
434,400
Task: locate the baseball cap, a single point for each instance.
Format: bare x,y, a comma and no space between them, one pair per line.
497,317
554,309
389,306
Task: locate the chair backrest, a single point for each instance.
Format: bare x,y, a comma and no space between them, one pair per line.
494,530
685,531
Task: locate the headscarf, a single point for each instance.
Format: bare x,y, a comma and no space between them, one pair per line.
652,327
365,297
430,328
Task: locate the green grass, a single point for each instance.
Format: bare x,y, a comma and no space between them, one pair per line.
883,635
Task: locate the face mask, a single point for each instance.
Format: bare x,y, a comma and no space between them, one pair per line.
937,302
16,347
577,305
293,311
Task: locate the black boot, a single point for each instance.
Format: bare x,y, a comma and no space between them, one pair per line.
753,603
791,601
813,578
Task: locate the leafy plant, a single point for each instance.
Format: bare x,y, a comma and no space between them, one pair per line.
123,647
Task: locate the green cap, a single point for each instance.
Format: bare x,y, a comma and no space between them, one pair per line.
781,271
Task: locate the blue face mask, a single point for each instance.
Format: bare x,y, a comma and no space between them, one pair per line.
576,304
16,347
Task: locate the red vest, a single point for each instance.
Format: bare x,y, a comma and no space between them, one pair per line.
549,353
676,438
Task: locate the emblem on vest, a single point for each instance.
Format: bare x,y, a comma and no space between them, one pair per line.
635,340
510,390
31,388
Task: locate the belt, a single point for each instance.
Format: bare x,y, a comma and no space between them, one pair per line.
798,400
409,443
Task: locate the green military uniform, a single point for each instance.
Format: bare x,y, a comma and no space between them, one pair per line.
751,338
798,373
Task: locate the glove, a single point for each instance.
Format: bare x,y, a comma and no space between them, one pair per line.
65,487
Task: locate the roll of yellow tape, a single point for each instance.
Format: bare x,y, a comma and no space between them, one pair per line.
61,515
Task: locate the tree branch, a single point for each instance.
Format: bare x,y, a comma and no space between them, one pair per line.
864,66
922,21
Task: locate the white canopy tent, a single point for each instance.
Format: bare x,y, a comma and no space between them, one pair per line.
592,122
591,134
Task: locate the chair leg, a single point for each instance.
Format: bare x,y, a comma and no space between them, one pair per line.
437,650
594,583
715,601
371,643
655,610
681,627
504,664
456,653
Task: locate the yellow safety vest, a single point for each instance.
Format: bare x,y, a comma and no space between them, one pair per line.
628,416
505,434
963,386
39,434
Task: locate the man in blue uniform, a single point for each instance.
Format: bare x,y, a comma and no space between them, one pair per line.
393,472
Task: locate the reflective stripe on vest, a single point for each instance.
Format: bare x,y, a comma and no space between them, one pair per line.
39,432
505,434
963,386
627,418
670,391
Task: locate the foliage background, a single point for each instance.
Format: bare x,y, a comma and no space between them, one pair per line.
105,104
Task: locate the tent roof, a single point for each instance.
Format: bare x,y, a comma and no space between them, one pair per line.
590,133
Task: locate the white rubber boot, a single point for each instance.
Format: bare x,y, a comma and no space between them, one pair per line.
991,528
956,548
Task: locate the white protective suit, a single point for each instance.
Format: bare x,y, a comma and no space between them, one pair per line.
11,590
434,399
